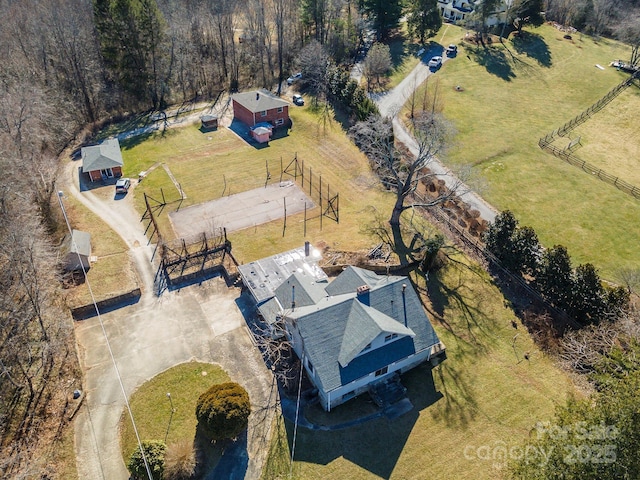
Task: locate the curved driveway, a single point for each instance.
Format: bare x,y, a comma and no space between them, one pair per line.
389,104
201,322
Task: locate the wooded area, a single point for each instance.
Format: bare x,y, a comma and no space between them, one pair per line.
70,66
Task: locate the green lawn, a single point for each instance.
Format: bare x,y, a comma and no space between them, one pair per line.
206,165
484,395
511,96
151,406
113,273
616,152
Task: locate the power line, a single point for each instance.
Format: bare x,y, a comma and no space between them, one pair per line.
104,333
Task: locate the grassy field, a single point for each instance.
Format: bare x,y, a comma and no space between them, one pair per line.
512,95
483,396
152,410
403,51
112,274
616,152
212,164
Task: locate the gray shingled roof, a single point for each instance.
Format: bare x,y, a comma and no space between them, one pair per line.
337,328
308,291
105,155
80,242
364,324
352,278
258,101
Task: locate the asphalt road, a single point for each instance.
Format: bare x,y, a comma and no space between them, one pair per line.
389,104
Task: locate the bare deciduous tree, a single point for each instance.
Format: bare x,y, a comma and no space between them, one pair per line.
628,30
400,171
378,62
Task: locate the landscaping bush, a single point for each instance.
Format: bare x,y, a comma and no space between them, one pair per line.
223,411
180,461
154,451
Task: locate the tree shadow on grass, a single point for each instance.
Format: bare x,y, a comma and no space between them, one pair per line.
361,444
459,406
533,46
468,322
495,61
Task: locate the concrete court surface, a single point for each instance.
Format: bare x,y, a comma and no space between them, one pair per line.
241,210
201,322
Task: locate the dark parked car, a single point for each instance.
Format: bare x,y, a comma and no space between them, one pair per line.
122,185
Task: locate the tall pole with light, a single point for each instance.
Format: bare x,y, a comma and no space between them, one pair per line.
108,343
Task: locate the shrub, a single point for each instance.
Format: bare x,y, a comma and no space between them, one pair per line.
223,411
154,451
180,461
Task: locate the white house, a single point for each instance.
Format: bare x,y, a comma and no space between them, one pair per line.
356,331
460,10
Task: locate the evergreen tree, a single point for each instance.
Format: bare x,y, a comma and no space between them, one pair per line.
555,278
223,411
384,14
131,34
527,12
589,302
423,18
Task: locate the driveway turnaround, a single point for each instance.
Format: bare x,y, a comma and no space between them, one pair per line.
200,322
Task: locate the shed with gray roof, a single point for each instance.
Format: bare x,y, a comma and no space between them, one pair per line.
76,251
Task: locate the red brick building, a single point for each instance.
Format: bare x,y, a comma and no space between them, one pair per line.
102,161
257,107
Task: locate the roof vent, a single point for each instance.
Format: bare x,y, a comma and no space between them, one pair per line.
257,96
362,289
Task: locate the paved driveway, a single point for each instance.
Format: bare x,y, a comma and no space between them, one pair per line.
199,322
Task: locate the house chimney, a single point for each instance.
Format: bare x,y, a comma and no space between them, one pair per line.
361,290
293,297
307,247
404,304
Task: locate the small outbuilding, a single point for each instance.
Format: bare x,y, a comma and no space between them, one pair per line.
209,122
76,251
102,161
262,132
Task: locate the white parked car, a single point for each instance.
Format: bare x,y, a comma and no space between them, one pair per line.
435,62
298,100
294,78
122,185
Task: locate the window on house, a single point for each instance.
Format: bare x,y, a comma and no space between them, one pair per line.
280,109
368,347
382,371
390,337
348,396
263,113
279,121
310,365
